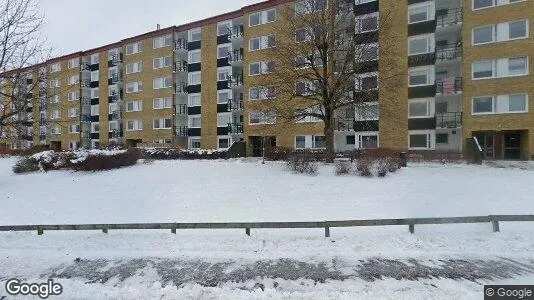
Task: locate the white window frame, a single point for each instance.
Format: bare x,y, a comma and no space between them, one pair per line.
165,39
137,85
227,92
430,75
430,43
430,107
430,10
360,19
194,117
74,63
500,68
227,23
190,56
431,139
137,105
192,75
263,42
163,62
136,67
227,70
160,122
263,67
166,82
496,3
190,100
224,115
500,32
192,32
263,117
136,48
500,105
360,135
165,103
137,125
262,17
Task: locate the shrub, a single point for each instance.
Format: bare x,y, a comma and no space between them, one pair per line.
106,160
26,165
303,162
343,166
435,156
171,153
277,153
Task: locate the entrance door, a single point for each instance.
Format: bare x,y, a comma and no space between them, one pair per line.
512,146
257,145
486,141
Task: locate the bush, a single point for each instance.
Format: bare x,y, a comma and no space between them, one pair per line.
170,153
435,156
343,166
303,162
26,165
277,153
105,161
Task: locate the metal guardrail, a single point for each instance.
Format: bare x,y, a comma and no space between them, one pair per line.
410,222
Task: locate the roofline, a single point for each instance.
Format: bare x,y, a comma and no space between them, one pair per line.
200,23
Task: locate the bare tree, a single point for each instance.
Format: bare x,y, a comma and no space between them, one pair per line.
21,46
317,63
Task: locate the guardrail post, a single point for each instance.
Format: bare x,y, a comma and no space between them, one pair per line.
411,227
247,231
105,230
40,231
326,230
495,226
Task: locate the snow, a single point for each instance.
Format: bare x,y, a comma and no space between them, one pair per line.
246,190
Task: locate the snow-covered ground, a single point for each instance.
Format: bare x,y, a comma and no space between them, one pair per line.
245,190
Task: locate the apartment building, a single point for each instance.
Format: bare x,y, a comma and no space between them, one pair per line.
465,64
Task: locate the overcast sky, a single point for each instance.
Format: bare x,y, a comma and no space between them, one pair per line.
74,25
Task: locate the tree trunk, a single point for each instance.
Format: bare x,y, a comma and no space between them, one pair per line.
329,137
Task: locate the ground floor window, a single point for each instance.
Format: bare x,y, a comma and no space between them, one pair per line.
442,138
368,140
310,142
421,140
74,145
223,142
195,143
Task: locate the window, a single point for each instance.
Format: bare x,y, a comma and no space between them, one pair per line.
421,44
504,67
55,114
134,87
113,126
223,50
263,67
350,140
367,81
368,140
421,108
309,6
135,67
481,4
308,33
263,42
134,48
95,93
134,106
55,129
161,103
223,96
95,110
500,32
310,142
195,34
367,52
162,62
95,59
195,121
195,56
305,116
95,127
223,119
74,145
421,140
262,17
162,141
55,68
74,96
73,112
421,76
442,138
74,128
162,82
305,60
54,83
222,27
307,88
162,41
162,124
74,63
502,104
262,92
367,111
74,79
224,143
421,12
194,143
367,23
95,75
194,100
134,125
262,117
194,78
223,73
113,107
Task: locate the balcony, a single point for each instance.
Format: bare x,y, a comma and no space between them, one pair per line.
235,57
85,66
115,78
180,45
181,109
236,103
180,88
235,128
449,86
115,96
180,66
448,52
449,120
344,124
181,131
235,80
85,84
235,32
115,60
450,17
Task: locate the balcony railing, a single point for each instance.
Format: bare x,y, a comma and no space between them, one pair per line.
235,128
235,32
235,80
116,134
235,56
181,109
449,86
453,16
115,59
180,88
448,52
180,45
181,131
449,120
344,124
180,66
85,66
117,115
115,78
236,103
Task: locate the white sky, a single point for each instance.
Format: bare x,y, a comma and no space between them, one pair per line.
75,25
